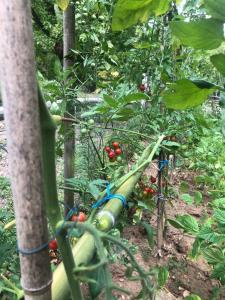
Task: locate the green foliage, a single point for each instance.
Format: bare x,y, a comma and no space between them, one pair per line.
187,223
218,61
127,13
216,9
185,94
201,34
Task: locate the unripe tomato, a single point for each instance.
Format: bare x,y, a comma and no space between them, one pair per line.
74,218
82,217
119,159
53,245
107,149
145,194
118,151
83,131
91,122
111,154
115,145
153,179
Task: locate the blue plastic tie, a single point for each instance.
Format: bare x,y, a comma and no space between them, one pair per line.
163,164
45,245
108,197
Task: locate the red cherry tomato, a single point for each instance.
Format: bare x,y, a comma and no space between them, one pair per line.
82,217
118,151
153,179
142,87
115,145
111,154
53,245
148,190
152,191
75,218
107,149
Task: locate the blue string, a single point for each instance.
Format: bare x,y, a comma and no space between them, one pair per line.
45,245
108,197
163,164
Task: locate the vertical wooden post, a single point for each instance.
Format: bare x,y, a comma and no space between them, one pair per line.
69,143
20,100
160,206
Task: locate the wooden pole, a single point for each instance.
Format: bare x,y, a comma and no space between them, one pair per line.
20,99
69,143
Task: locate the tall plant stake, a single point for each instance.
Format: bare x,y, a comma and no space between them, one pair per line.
20,99
69,143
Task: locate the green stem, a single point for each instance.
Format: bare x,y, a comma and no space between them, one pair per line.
51,197
12,287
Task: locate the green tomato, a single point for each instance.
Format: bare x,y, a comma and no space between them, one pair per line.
83,131
119,159
91,122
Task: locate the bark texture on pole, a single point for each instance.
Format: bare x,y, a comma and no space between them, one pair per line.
20,100
69,144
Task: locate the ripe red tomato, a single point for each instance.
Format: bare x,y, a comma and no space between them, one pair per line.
142,87
74,218
115,145
82,217
148,190
53,245
153,179
111,154
107,149
118,151
152,191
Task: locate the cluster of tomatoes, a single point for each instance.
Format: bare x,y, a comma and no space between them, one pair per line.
147,190
114,152
81,217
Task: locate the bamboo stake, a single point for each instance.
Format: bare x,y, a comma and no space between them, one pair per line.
20,99
69,143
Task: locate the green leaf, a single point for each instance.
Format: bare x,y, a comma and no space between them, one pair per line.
135,97
110,101
127,13
192,297
202,34
219,203
150,233
124,114
163,275
198,197
213,255
218,62
196,247
143,45
216,8
63,4
219,272
187,198
185,94
184,187
187,223
206,233
219,215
